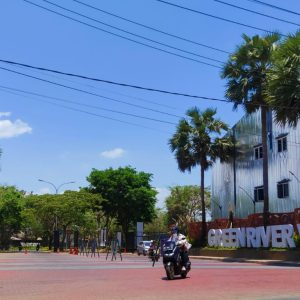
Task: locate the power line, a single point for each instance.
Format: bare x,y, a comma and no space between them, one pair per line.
276,7
215,17
111,82
86,92
125,85
85,112
133,34
9,90
151,28
100,108
86,105
108,91
255,12
120,36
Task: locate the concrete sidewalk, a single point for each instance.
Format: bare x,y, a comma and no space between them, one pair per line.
245,260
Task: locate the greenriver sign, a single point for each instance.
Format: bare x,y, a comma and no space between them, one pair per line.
277,236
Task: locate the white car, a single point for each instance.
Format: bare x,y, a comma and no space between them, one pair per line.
143,247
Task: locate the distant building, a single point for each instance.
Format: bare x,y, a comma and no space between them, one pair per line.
238,185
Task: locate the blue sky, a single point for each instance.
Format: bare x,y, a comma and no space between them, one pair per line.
42,139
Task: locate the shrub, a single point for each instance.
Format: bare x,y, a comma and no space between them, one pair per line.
296,238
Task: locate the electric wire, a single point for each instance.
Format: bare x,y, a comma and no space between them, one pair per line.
127,85
103,90
123,37
255,12
151,28
91,106
86,92
216,17
6,89
112,82
85,112
86,105
276,7
133,34
14,90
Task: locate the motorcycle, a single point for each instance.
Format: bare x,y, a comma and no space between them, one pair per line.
153,254
172,261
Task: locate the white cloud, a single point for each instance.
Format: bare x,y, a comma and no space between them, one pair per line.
9,129
115,153
163,193
4,114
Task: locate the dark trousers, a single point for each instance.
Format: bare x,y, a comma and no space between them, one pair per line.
184,258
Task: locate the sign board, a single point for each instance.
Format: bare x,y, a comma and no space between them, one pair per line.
102,237
277,236
139,232
119,238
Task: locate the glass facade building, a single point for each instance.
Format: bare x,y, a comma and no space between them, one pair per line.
238,184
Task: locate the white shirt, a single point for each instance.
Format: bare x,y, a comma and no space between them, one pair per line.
180,240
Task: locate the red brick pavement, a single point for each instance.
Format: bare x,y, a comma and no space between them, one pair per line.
39,276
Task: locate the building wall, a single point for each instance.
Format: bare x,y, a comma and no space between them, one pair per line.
237,192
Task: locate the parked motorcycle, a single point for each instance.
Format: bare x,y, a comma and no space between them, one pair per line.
172,261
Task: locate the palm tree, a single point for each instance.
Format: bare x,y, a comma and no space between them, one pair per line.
246,72
283,86
194,145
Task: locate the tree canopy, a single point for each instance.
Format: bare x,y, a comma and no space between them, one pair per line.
10,213
184,205
196,142
128,194
283,81
246,75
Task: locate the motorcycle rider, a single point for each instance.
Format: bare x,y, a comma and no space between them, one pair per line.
153,250
183,245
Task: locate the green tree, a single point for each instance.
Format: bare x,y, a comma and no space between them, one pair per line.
45,213
195,142
184,205
158,224
246,75
72,206
44,209
283,81
128,194
10,214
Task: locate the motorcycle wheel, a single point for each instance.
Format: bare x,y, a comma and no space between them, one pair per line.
183,275
170,272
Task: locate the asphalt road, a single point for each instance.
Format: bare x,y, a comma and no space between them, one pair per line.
43,276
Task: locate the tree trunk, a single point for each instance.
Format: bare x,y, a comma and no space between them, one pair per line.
265,164
203,231
61,248
50,240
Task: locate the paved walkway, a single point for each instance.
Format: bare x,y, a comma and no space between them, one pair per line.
43,276
245,260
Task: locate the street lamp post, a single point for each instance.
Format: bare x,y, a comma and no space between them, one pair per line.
253,201
294,176
219,205
56,232
56,188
